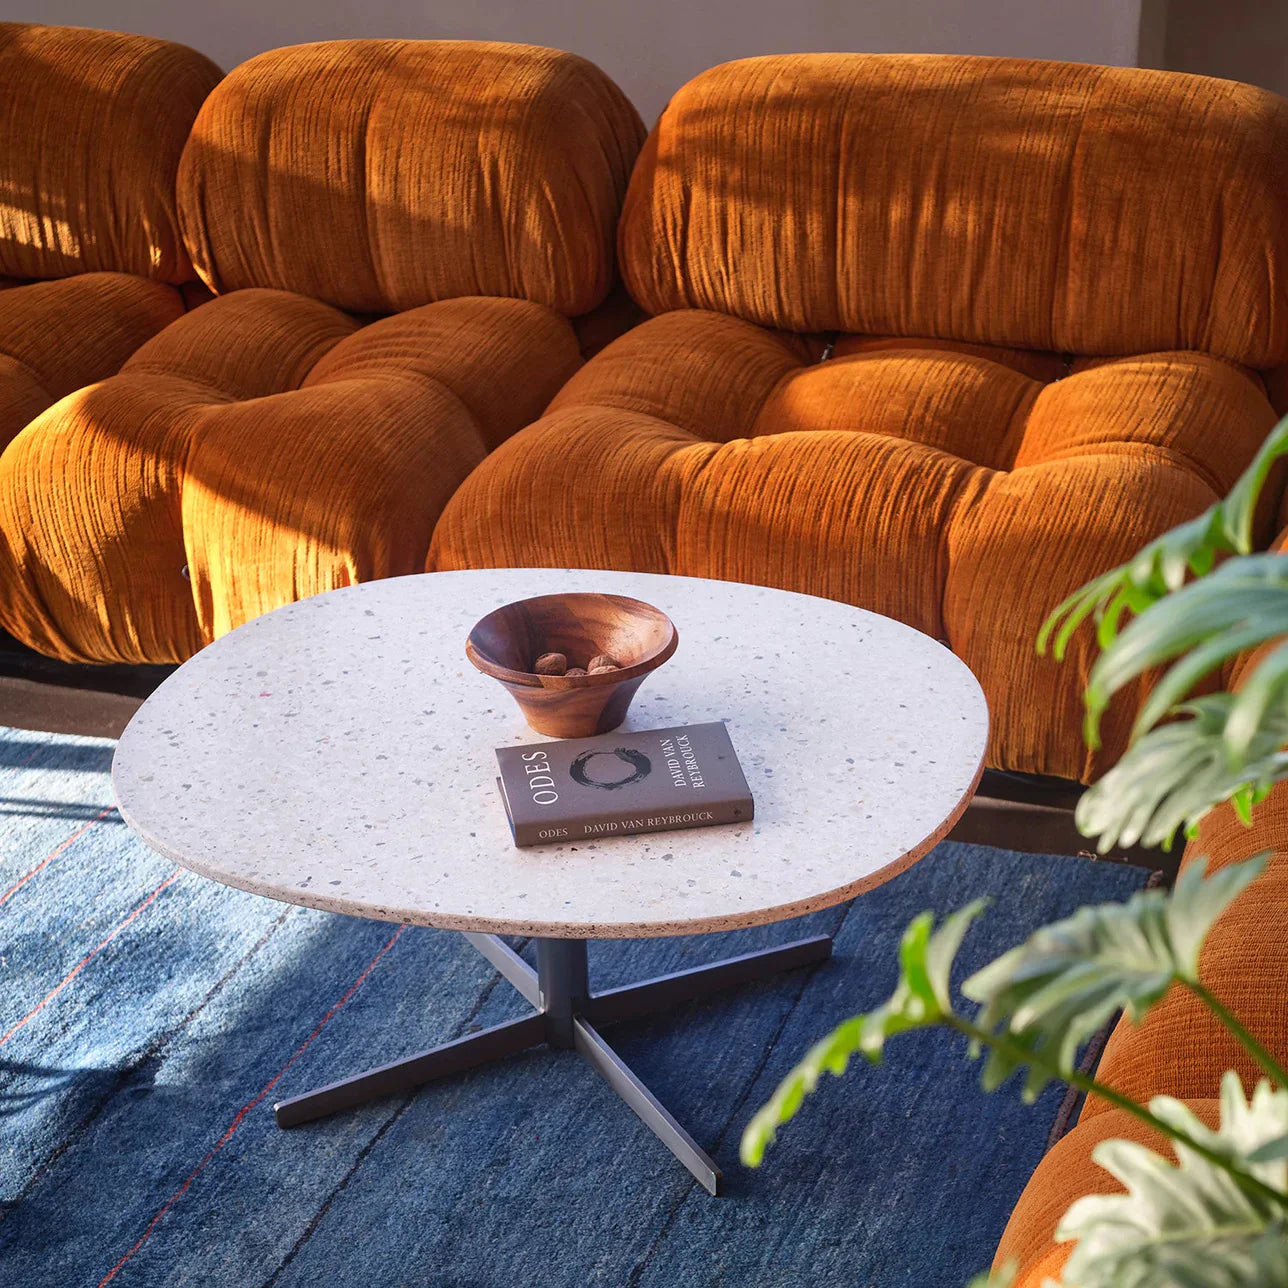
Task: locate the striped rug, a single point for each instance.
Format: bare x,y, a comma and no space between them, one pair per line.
149,1018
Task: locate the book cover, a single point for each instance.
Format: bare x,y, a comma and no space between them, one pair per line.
621,784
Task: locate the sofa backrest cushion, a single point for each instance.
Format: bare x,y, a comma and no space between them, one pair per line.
91,132
1081,209
380,175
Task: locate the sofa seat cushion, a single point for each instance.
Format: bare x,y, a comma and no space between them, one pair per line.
57,336
1066,1173
260,449
961,489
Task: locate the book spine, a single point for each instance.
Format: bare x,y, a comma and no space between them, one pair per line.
626,824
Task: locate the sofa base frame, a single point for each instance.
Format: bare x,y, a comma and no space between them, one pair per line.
38,692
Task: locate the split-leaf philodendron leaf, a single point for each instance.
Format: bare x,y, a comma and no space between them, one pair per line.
1052,992
1045,997
1241,605
1170,778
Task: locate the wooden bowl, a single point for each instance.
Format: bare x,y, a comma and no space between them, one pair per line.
505,643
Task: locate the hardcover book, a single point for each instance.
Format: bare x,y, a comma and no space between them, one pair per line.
620,784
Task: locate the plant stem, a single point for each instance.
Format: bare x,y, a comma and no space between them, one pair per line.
1261,1057
1022,1055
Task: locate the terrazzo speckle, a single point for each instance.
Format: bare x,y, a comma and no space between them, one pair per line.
339,753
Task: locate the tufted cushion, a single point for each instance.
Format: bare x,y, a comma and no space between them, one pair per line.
57,336
1089,210
961,490
380,175
269,444
90,137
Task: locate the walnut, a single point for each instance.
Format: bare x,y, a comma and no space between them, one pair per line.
551,664
602,662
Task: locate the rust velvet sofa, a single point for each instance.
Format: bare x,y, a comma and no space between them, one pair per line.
1179,1049
91,261
396,234
943,337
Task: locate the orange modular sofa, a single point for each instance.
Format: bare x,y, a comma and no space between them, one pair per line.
1179,1049
940,336
396,233
91,260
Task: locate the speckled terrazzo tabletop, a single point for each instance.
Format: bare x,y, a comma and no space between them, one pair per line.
339,753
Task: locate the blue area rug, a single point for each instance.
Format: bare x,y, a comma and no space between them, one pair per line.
149,1018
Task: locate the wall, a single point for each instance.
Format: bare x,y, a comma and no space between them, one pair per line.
648,46
1243,40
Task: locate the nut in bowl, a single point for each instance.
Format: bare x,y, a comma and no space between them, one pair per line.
572,662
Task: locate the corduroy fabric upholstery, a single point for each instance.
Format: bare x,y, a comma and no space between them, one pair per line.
93,126
1179,1049
57,336
380,175
961,489
90,138
261,449
1277,388
268,445
1085,210
1064,1175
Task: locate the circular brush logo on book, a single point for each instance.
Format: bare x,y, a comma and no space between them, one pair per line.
640,765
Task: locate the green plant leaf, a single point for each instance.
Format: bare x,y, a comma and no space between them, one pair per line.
1187,1224
1003,1278
1172,776
1241,604
1272,1151
1163,565
1160,567
922,997
1260,702
1057,988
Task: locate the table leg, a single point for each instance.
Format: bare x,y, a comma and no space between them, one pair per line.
509,963
403,1075
631,1000
566,1016
614,1071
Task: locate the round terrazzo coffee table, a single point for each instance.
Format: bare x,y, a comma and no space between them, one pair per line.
339,753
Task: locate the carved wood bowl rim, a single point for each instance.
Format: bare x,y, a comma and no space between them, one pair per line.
570,683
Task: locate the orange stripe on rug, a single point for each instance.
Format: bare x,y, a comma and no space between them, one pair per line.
249,1106
85,961
45,862
22,764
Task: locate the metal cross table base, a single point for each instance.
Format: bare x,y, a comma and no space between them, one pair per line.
568,1017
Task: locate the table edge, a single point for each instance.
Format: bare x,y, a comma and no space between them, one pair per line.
556,930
